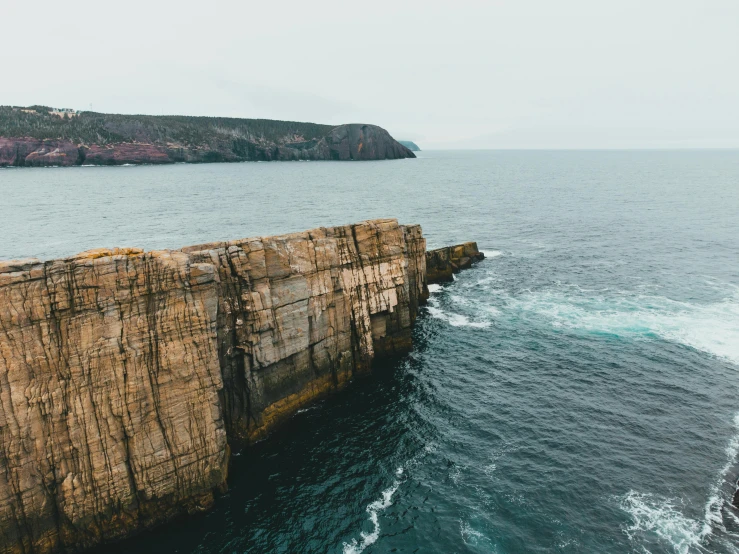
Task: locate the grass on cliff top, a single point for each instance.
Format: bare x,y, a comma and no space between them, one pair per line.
97,128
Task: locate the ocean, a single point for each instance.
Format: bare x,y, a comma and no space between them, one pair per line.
576,391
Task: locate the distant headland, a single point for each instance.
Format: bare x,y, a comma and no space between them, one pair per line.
410,145
39,136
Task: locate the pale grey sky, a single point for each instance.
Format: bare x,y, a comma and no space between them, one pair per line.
495,74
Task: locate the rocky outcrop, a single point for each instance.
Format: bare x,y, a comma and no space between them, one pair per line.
124,374
364,142
443,263
39,137
410,145
38,153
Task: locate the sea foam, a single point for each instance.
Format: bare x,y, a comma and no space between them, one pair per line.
456,320
374,509
664,517
712,327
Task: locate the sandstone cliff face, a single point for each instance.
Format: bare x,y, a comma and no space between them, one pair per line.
122,373
300,314
38,153
109,411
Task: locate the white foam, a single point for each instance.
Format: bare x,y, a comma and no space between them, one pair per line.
492,253
662,517
712,328
433,288
470,536
374,509
456,320
717,500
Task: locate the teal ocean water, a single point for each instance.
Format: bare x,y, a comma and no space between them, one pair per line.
577,391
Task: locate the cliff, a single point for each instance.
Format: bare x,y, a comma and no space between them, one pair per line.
125,374
40,136
410,145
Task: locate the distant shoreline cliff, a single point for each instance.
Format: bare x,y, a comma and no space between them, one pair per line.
39,136
410,145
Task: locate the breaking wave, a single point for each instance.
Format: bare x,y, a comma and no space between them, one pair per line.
664,517
712,328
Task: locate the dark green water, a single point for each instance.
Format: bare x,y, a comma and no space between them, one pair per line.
575,392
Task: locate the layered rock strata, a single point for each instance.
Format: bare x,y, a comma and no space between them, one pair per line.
124,374
443,263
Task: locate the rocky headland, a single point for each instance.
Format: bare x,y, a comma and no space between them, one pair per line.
410,145
39,136
126,376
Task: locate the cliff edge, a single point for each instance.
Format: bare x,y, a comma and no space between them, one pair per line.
40,136
126,375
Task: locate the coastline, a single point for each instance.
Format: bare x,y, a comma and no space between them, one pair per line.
142,370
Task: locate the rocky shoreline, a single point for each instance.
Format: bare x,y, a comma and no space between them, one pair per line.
38,137
126,376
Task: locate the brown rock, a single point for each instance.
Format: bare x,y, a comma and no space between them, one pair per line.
122,371
442,263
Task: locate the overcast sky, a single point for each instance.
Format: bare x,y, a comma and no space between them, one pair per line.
452,74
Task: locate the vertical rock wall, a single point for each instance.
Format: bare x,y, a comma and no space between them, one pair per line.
122,372
109,410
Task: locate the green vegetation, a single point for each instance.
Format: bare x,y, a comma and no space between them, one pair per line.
97,128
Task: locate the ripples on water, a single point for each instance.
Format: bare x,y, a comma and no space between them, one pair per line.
575,392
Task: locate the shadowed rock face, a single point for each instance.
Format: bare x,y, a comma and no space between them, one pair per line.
123,372
365,142
443,263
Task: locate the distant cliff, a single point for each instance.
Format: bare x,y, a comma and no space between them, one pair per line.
125,375
410,145
41,136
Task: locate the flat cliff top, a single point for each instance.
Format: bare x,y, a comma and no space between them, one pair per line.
25,264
